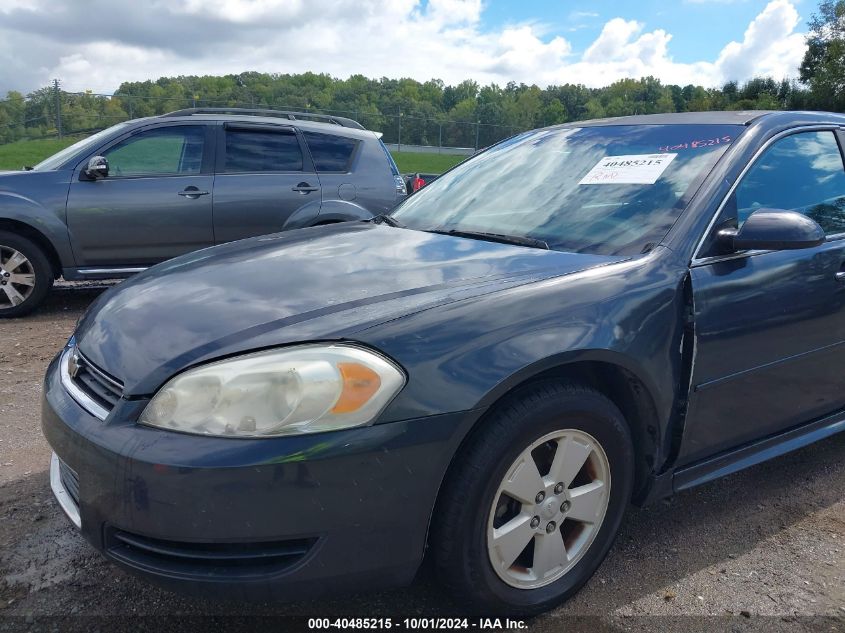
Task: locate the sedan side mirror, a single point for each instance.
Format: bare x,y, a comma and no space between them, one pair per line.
98,167
773,230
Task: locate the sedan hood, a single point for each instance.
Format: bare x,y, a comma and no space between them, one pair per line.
312,284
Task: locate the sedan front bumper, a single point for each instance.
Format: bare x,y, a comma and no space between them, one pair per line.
253,518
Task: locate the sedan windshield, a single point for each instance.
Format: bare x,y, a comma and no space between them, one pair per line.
60,158
607,190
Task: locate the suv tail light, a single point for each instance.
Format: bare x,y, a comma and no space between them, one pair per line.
401,189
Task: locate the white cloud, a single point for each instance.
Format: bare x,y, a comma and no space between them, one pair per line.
520,51
446,39
770,45
455,11
612,41
244,11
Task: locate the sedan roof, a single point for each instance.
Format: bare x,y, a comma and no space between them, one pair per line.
721,117
715,117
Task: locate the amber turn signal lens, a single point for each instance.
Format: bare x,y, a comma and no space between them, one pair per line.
359,385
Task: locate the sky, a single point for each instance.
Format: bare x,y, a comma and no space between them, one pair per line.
98,46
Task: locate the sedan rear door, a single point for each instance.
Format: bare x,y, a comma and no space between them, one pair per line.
264,176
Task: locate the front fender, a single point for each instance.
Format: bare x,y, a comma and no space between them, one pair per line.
465,355
17,208
562,359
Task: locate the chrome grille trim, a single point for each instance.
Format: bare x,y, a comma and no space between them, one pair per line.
103,377
82,399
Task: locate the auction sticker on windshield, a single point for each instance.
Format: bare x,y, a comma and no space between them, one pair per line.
632,169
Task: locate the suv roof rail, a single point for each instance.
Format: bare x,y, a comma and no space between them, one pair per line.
285,114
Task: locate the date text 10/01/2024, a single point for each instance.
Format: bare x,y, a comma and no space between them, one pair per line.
483,624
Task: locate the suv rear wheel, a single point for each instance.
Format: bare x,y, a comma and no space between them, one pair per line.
534,500
25,275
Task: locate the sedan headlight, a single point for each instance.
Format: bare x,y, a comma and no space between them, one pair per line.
291,391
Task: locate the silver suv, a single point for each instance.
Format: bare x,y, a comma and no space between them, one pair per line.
147,190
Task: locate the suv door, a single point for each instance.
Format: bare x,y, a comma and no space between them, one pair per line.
154,204
770,325
263,177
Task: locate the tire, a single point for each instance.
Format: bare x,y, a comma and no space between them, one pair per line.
469,532
18,299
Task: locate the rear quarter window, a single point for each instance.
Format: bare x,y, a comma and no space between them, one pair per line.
331,153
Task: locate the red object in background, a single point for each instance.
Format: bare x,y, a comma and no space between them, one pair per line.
417,183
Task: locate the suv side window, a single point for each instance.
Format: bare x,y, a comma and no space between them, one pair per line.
802,172
253,150
330,153
169,150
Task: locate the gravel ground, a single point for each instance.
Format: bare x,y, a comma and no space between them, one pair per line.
760,550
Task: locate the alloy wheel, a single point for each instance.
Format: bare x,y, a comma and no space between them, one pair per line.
548,509
17,277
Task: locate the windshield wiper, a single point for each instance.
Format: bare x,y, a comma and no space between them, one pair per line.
28,167
389,220
519,240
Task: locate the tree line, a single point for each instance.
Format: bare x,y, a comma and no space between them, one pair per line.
432,112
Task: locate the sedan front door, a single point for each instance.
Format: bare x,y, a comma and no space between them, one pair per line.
770,325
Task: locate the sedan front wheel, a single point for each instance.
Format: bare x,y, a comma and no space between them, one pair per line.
541,525
534,500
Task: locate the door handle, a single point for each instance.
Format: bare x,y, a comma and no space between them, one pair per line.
192,192
840,276
304,187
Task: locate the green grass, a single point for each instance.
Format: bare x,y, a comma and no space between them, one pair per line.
16,155
409,162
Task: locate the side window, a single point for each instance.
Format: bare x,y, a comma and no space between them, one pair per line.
802,172
249,150
170,150
330,152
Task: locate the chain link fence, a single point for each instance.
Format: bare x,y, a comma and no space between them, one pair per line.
54,113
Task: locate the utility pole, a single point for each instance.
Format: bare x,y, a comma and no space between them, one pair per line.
477,129
58,96
399,144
